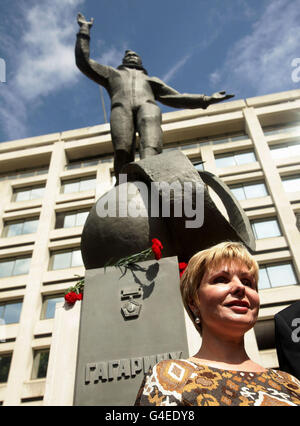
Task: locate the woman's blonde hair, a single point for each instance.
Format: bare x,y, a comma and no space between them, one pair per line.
208,259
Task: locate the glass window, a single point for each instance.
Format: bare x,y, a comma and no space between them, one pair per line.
66,259
62,260
226,161
16,266
78,185
235,159
285,151
88,162
20,227
76,258
248,191
25,194
198,165
5,360
245,158
266,228
279,275
24,173
291,184
87,184
71,219
10,312
281,128
49,305
81,218
40,364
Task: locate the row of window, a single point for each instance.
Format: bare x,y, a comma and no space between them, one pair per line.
77,218
281,151
70,186
262,228
39,369
270,276
10,311
58,260
29,225
246,191
72,258
77,164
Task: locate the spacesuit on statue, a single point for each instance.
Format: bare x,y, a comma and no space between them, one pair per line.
133,100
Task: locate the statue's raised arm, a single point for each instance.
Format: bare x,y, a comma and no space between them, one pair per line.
89,67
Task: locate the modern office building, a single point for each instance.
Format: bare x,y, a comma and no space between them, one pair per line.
49,183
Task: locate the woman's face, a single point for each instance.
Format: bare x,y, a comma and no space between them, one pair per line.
228,301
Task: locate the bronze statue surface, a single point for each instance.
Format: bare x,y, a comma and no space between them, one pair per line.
133,100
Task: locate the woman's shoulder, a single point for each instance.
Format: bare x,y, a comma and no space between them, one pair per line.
287,378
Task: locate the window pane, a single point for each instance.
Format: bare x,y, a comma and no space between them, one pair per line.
21,266
14,229
225,161
77,258
292,184
278,153
40,364
51,305
22,195
263,278
255,190
245,158
69,220
266,229
81,218
281,275
62,260
12,311
5,361
30,226
239,193
69,187
199,166
87,184
37,193
6,268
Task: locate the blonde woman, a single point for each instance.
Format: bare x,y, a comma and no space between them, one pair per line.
219,292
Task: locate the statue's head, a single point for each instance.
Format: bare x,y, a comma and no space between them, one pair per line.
132,58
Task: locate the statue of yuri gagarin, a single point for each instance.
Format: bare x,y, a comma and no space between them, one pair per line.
133,97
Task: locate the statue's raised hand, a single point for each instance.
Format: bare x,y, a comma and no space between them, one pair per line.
220,96
82,21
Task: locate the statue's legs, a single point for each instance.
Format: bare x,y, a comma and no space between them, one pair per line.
123,137
149,128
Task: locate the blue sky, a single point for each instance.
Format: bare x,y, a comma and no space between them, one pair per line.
245,47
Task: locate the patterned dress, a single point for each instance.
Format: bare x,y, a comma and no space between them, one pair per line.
182,382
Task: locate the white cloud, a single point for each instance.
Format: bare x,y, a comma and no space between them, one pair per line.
215,78
43,59
175,68
261,61
46,61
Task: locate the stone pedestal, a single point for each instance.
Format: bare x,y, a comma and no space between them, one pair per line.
131,318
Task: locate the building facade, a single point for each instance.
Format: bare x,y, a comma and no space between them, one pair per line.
49,183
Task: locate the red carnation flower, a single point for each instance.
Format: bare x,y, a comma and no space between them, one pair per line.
182,268
79,296
71,297
157,248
